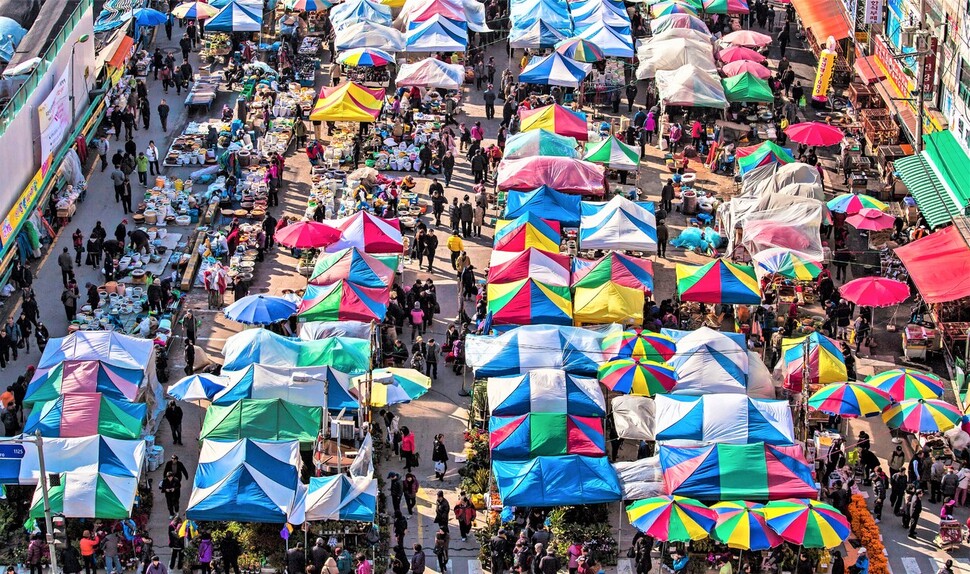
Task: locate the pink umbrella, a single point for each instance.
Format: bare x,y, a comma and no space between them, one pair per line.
871,220
814,134
875,291
735,53
739,67
307,235
746,38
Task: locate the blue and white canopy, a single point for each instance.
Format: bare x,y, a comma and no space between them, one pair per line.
307,386
342,497
236,17
709,361
723,418
615,42
538,23
556,480
587,13
538,35
437,34
355,11
368,35
575,350
555,70
543,201
545,391
248,481
618,224
198,387
94,454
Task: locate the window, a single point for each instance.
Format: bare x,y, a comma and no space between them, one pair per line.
964,81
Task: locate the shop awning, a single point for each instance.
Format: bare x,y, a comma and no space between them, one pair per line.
950,161
869,70
905,115
934,201
824,18
938,264
122,53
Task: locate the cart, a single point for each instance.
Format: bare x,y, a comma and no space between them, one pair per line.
950,535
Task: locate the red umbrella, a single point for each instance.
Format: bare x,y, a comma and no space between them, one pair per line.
814,134
735,53
875,291
307,235
871,220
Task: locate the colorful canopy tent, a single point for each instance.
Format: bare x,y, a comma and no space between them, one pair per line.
580,50
555,481
109,347
84,414
542,266
365,57
690,86
369,233
369,35
344,301
540,142
431,73
850,400
638,343
545,202
392,386
306,235
351,265
354,11
723,418
674,52
614,154
194,11
83,377
419,11
540,34
719,281
436,34
938,265
826,363
341,497
537,24
527,231
236,17
346,355
197,387
545,434
249,481
92,454
902,384
672,518
806,522
618,268
637,376
306,386
678,22
545,391
785,263
574,350
556,119
86,494
747,88
618,224
737,53
529,301
262,419
922,416
615,42
709,361
768,152
565,174
316,330
349,102
737,472
607,303
555,70
742,525
875,291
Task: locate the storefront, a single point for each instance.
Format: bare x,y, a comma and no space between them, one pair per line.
938,178
823,19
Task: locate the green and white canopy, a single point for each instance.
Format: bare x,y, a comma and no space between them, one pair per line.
85,494
613,153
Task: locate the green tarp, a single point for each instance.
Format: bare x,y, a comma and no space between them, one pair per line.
262,419
747,87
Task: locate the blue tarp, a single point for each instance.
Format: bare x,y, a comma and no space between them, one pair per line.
556,480
573,349
545,202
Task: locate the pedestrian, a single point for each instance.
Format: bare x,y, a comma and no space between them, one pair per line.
663,235
345,562
296,560
152,154
400,527
163,111
915,508
397,491
448,167
205,552
176,468
418,560
102,146
185,44
36,550
439,456
23,325
479,219
176,544
318,556
489,97
441,541
126,196
173,414
110,549
454,216
667,196
69,560
410,489
145,111
949,484
141,164
407,449
431,359
498,549
171,487
465,513
156,566
66,264
89,545
466,214
14,336
430,246
69,298
442,510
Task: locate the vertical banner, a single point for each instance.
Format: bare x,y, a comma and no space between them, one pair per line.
873,11
826,65
54,117
929,67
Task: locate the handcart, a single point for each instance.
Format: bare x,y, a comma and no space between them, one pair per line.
950,535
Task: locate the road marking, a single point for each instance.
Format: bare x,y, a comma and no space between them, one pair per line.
910,565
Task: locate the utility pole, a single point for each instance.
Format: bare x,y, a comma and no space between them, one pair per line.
921,37
44,490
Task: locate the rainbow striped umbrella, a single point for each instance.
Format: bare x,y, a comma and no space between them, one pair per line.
720,281
393,386
671,7
742,525
922,416
365,57
308,5
640,344
636,377
194,11
851,203
902,384
783,262
806,522
580,49
850,400
672,518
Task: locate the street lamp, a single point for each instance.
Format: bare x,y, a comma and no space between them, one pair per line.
82,39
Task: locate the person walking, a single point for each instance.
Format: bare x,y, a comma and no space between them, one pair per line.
397,491
663,235
141,165
152,154
173,414
431,359
408,449
69,298
915,508
163,111
465,513
400,528
89,545
77,238
439,456
441,542
171,487
36,550
442,510
176,544
176,468
418,560
101,145
110,549
410,489
489,97
206,551
467,213
66,264
126,196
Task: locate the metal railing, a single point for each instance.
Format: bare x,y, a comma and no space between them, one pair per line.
20,98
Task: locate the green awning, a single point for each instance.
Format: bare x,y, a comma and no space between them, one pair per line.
951,162
931,195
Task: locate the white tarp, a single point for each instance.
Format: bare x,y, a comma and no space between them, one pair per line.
675,53
633,417
709,361
691,86
369,35
761,385
794,227
773,177
640,478
723,418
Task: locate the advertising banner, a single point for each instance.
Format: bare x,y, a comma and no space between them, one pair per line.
54,115
873,11
19,210
823,75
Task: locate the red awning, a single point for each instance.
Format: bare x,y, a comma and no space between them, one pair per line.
824,18
939,265
869,70
122,53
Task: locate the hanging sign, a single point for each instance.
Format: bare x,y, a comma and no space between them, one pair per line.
873,11
929,67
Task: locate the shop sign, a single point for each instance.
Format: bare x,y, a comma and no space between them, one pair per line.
19,211
873,11
929,67
894,70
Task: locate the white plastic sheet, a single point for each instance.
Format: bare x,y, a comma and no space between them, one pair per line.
640,478
673,53
633,417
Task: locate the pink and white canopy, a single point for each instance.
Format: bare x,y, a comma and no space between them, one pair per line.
545,267
369,233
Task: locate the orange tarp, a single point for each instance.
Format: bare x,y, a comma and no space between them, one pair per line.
824,18
122,53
